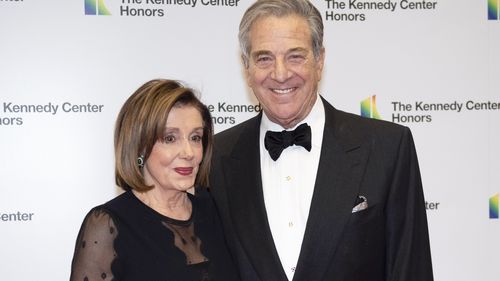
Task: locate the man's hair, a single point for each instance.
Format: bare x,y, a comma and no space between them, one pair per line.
281,8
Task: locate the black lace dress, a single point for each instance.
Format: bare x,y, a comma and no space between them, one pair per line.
124,239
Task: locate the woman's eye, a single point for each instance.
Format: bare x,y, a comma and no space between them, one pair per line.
197,138
168,139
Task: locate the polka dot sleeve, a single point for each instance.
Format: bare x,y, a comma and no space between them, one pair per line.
94,251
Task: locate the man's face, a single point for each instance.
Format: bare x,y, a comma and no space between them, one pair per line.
282,70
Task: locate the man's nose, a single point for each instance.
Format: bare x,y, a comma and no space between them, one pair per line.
280,71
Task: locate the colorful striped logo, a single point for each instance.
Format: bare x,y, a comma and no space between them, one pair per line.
96,7
493,11
369,108
494,206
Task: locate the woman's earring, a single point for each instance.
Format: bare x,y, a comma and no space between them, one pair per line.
140,161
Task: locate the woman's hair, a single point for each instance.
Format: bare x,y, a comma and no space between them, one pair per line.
141,123
280,8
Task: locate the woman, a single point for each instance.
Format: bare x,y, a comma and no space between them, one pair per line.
156,230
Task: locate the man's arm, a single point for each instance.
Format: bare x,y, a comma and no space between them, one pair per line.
408,250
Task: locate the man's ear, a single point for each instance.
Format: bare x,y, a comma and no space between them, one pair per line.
246,65
320,62
244,61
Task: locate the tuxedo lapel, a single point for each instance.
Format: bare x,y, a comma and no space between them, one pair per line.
342,162
246,204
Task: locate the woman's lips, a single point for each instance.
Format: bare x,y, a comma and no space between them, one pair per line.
185,171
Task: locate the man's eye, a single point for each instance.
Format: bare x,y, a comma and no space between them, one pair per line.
296,58
168,139
264,61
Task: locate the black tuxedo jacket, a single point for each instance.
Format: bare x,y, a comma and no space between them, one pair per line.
388,241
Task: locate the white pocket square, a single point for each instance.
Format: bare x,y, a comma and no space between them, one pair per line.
361,204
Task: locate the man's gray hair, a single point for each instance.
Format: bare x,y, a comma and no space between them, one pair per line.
281,8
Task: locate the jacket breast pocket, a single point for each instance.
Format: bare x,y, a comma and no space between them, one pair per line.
364,216
363,236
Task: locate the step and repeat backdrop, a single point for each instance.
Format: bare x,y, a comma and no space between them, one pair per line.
66,67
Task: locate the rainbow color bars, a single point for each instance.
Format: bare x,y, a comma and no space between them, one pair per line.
493,6
369,108
494,206
96,7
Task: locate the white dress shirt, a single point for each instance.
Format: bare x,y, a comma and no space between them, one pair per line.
288,185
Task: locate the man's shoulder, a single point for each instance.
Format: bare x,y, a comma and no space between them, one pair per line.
340,119
345,123
363,122
231,135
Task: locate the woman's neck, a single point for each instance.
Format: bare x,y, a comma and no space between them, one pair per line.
172,203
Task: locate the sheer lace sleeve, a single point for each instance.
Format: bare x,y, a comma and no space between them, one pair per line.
94,252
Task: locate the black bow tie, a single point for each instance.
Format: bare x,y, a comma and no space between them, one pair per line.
275,142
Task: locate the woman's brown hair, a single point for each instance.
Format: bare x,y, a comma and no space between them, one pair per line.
141,123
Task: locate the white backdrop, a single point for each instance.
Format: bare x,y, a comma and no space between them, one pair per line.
57,163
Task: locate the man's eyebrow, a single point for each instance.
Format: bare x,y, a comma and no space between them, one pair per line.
298,49
260,53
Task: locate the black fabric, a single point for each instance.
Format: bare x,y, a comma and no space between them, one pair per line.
359,157
126,240
275,142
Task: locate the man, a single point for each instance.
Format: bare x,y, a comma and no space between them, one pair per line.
348,205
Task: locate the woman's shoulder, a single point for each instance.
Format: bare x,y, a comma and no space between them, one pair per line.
120,203
204,204
202,192
202,196
107,213
99,219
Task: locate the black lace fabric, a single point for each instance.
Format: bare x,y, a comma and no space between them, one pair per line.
94,251
126,240
186,241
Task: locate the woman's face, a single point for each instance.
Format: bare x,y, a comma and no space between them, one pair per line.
175,159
